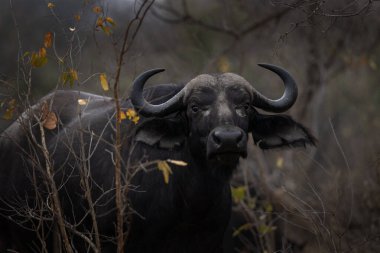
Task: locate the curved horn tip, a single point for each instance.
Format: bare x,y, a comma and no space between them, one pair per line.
154,71
268,66
288,98
158,69
262,64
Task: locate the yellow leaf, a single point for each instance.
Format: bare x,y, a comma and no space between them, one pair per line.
42,52
110,20
99,22
102,23
8,115
136,119
97,9
268,207
39,59
74,74
265,229
280,162
50,5
251,202
104,82
122,115
77,17
164,167
69,76
106,29
48,40
244,227
132,115
82,101
238,193
27,53
177,162
9,111
223,64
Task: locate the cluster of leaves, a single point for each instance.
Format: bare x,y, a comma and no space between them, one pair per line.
10,108
262,215
130,114
39,58
164,167
69,76
104,22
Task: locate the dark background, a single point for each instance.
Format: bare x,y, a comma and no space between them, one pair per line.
332,48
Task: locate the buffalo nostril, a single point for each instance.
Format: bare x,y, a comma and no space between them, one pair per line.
217,137
236,136
239,137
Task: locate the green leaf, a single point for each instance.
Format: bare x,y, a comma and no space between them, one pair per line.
69,76
268,207
265,229
39,58
238,193
9,111
244,227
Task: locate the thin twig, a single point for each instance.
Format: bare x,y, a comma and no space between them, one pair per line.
54,192
127,42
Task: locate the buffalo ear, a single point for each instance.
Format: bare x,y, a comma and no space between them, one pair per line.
164,133
168,132
276,131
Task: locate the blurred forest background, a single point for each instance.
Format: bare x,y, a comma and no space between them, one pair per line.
327,198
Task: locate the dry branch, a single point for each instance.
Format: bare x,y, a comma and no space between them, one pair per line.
58,215
120,193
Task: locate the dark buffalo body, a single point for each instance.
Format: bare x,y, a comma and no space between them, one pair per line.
204,123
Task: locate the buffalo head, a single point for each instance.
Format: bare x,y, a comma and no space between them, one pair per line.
220,112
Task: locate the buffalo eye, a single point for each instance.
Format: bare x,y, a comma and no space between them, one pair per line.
242,110
194,108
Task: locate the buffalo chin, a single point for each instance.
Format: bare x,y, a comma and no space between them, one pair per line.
226,158
222,165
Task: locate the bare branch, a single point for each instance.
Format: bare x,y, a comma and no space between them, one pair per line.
364,9
187,18
119,192
54,191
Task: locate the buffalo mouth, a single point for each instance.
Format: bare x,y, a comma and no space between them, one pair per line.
225,155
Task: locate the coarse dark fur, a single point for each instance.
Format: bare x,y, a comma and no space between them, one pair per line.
188,214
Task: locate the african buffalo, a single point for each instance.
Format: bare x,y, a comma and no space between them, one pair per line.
204,124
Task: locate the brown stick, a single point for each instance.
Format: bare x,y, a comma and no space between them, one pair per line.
85,174
140,15
54,192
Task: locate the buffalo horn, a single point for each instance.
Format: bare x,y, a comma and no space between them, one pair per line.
288,98
144,107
